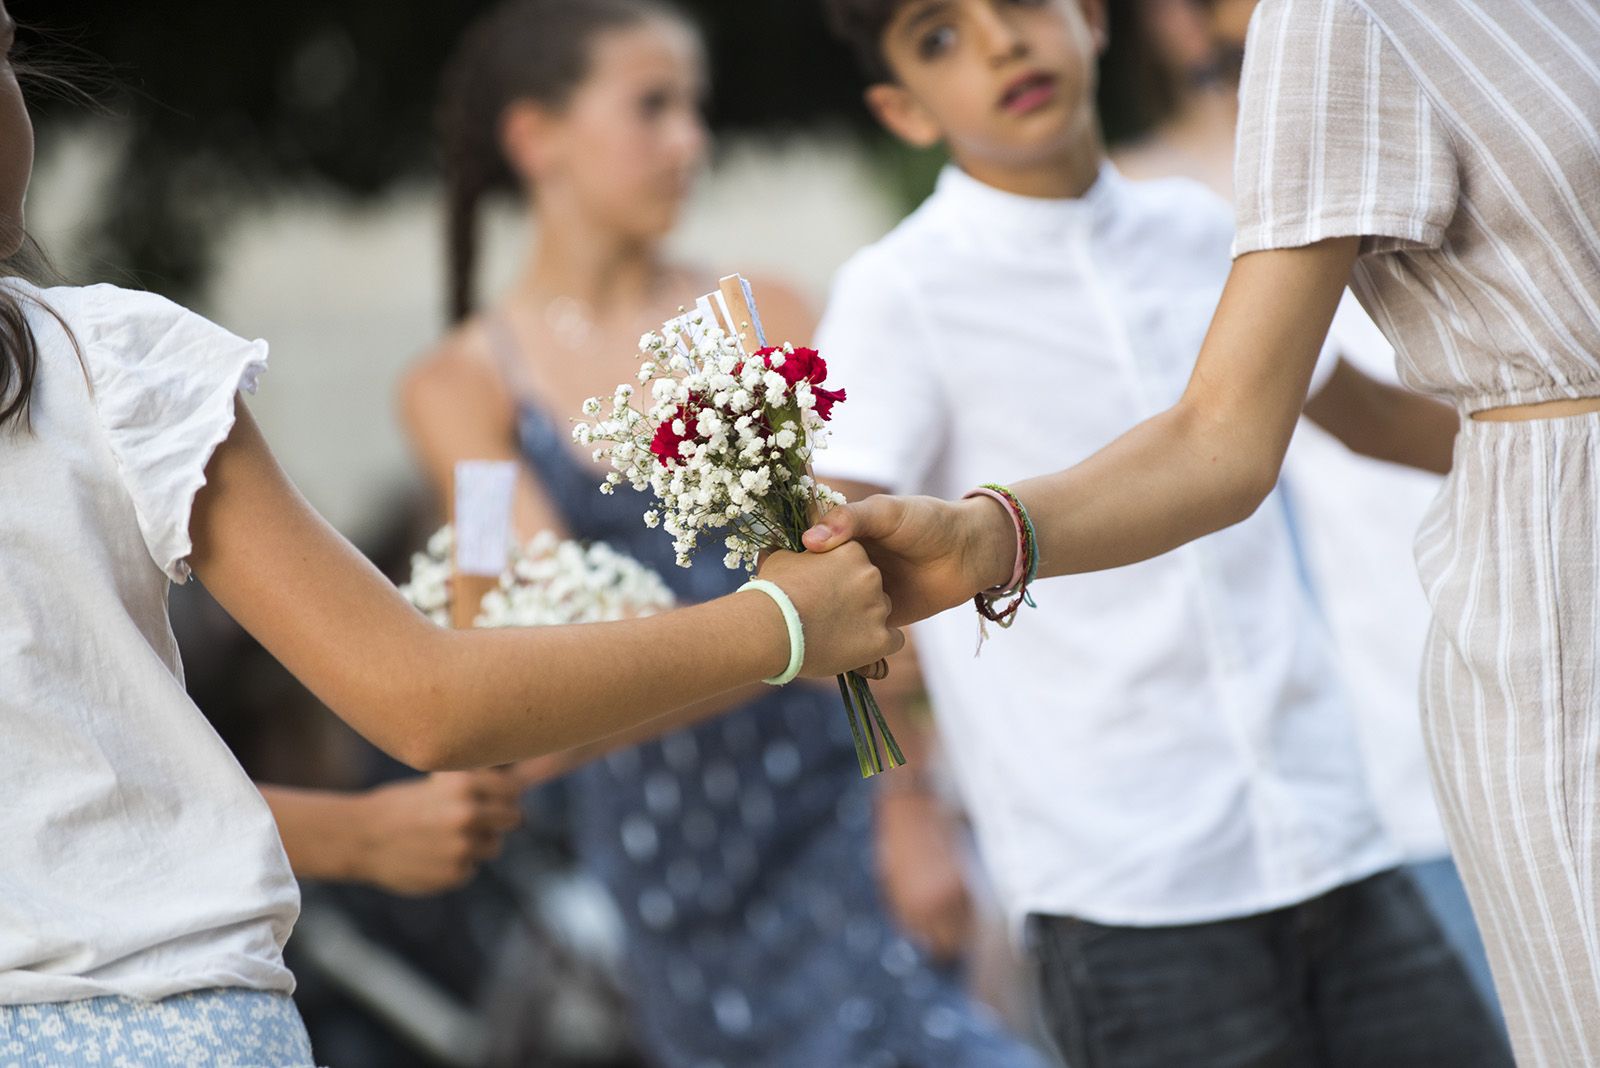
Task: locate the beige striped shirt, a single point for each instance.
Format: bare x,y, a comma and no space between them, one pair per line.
1461,140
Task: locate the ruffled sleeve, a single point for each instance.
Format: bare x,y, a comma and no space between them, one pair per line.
164,381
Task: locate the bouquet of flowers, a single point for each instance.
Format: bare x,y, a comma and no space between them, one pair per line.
723,437
547,582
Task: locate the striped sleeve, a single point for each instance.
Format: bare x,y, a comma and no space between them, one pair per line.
1336,136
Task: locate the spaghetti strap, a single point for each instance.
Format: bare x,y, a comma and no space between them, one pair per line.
537,428
506,353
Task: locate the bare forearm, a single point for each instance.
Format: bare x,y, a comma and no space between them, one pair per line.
1210,460
1172,479
562,763
473,698
1385,422
319,831
436,698
1202,465
1417,432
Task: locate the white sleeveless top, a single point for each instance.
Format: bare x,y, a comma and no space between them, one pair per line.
138,858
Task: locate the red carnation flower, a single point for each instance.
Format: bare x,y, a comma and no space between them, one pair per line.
804,365
664,446
826,399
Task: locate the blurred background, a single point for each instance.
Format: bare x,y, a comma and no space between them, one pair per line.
273,167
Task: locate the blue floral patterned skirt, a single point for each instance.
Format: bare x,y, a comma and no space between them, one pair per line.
204,1029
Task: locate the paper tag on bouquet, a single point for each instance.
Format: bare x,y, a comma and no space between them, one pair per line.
484,491
739,318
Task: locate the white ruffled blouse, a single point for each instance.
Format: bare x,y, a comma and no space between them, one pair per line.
139,859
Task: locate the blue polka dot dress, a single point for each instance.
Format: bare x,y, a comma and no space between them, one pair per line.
740,854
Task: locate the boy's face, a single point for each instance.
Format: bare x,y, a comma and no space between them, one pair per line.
1004,82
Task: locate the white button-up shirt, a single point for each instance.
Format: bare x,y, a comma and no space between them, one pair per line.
1356,519
1164,743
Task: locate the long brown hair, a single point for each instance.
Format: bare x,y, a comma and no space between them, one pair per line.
537,50
19,349
60,77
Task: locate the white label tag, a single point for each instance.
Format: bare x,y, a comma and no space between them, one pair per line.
755,314
483,516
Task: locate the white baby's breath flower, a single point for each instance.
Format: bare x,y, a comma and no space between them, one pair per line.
442,543
548,581
591,407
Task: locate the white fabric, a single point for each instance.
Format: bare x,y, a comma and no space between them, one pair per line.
1356,519
138,858
1160,744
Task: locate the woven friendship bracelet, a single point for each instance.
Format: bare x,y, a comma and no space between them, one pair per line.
1020,571
1023,575
791,619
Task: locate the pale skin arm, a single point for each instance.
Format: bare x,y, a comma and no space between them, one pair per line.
1204,464
419,836
438,699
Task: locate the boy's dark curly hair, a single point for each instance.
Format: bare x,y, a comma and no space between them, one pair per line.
860,24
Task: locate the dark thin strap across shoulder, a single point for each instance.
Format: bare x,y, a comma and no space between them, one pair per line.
506,352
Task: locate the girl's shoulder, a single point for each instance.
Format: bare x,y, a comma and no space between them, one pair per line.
162,385
95,312
120,333
460,365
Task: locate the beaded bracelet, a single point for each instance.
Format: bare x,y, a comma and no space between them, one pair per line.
1023,575
791,619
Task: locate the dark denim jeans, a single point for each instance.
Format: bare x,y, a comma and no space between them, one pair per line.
1359,978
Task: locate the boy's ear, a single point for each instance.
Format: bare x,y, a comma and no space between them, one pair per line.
903,115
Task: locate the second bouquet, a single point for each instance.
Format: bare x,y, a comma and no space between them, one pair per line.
720,429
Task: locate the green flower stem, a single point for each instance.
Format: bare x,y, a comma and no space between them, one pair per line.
855,727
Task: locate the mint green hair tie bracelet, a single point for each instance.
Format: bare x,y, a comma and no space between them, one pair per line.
791,619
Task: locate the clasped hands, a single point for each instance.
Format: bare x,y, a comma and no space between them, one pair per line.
933,554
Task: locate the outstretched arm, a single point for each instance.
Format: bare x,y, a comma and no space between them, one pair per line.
1385,422
446,699
1206,463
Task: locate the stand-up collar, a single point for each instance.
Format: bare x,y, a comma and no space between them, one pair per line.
1023,219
